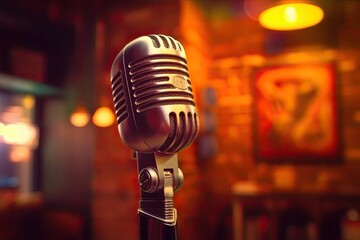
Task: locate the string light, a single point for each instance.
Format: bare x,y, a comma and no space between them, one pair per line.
103,117
23,134
80,117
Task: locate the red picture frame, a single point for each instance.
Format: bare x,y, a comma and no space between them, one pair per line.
296,114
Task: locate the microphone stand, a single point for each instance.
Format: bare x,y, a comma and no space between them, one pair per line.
159,176
152,229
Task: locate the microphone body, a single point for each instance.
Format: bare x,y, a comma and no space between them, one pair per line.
156,115
154,103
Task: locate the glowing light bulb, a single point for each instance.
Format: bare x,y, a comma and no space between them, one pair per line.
103,117
28,102
291,16
20,153
20,134
11,134
80,117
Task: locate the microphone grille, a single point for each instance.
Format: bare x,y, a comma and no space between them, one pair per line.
118,92
160,80
183,130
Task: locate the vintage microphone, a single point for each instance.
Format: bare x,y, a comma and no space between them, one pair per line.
156,116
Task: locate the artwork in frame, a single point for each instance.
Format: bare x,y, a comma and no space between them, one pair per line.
296,114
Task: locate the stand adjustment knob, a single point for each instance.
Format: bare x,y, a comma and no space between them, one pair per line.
149,180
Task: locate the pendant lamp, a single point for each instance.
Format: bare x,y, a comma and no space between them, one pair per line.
284,15
103,117
80,117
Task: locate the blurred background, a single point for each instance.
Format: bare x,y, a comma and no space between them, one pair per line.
278,153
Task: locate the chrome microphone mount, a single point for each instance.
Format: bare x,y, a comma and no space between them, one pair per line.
159,177
156,114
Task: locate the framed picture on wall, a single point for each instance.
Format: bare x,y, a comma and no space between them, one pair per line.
296,114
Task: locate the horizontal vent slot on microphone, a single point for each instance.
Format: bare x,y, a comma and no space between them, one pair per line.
145,76
156,58
154,96
145,107
118,93
159,66
156,84
150,90
158,96
139,86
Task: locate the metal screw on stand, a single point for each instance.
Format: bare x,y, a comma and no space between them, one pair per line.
149,180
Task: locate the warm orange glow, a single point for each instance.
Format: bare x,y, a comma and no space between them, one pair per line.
353,214
296,111
20,154
11,134
103,117
80,117
356,116
20,134
12,114
28,102
291,16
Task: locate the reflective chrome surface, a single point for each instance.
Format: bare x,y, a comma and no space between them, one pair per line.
153,97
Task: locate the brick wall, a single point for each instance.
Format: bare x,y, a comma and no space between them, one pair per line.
115,186
228,49
239,47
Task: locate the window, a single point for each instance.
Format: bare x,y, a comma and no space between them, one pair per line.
18,139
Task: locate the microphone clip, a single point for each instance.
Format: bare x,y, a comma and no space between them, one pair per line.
159,176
